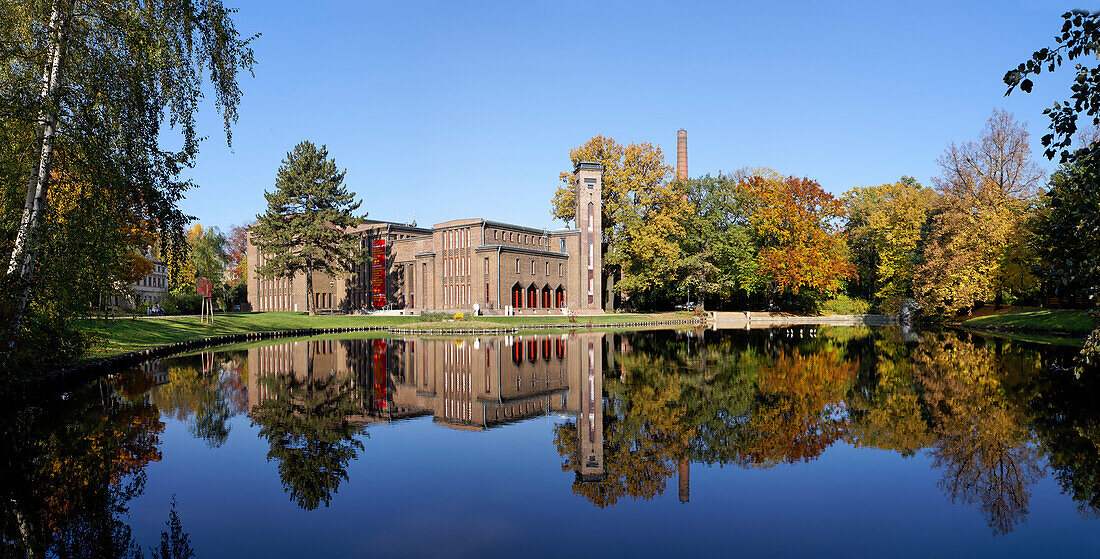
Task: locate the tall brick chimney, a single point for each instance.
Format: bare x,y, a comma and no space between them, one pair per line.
681,154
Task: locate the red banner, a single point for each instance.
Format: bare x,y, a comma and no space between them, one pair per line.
378,273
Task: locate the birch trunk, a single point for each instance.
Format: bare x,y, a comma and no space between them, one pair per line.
21,266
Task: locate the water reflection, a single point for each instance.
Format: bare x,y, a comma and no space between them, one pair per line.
631,412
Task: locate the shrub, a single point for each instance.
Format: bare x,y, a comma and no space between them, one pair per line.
843,304
182,303
459,316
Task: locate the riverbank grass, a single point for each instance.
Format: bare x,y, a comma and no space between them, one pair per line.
121,335
1036,320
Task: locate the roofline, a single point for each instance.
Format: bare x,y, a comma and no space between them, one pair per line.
514,226
509,248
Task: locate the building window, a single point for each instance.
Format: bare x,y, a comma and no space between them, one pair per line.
562,245
517,265
486,269
547,268
532,267
561,270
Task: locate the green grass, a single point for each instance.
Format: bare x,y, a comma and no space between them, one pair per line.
455,325
124,334
843,304
121,335
1040,320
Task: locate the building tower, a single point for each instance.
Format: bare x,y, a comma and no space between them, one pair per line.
588,182
590,419
681,154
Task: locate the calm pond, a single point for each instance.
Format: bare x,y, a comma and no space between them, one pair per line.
786,442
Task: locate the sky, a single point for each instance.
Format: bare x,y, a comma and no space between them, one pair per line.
455,109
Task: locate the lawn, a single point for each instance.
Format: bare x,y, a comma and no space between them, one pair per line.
1036,320
125,334
121,335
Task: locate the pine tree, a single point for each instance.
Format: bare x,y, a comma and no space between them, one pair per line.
303,229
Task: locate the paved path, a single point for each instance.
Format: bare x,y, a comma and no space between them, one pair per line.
766,320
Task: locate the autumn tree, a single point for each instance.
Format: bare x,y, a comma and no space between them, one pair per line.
797,227
236,253
641,213
986,191
884,235
307,214
96,80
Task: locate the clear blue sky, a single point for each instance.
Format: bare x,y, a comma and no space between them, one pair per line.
455,109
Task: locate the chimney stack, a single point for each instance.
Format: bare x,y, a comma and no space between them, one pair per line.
681,154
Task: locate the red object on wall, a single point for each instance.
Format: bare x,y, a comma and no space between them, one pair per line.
378,273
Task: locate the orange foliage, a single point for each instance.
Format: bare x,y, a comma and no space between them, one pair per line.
801,409
797,223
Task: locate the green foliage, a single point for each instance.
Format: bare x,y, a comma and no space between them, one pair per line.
127,67
302,230
1079,39
182,303
843,304
719,257
1068,230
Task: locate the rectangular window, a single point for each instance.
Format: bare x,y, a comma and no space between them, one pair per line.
486,268
517,265
547,268
561,270
532,267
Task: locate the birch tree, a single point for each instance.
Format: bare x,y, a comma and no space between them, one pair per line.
95,81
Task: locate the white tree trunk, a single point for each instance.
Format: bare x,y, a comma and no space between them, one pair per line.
21,265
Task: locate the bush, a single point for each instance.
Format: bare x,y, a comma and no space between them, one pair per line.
843,304
459,316
432,317
182,303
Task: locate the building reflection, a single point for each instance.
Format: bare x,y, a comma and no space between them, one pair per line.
467,383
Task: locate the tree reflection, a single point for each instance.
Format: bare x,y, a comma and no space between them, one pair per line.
982,444
204,393
70,466
1066,417
305,421
760,399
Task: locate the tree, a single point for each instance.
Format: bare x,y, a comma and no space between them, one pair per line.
986,191
1079,38
640,215
236,253
884,235
307,214
719,258
796,224
95,80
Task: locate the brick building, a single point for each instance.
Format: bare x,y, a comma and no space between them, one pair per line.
459,265
465,383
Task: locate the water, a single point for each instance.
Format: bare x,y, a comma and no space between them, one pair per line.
780,443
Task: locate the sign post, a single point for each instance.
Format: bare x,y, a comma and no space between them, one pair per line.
206,290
